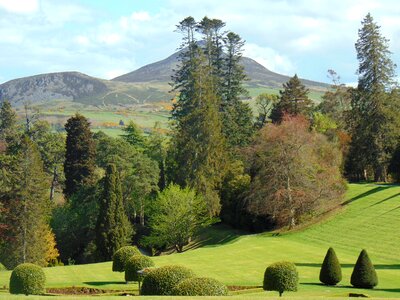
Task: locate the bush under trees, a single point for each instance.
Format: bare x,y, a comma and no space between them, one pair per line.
331,271
281,276
161,281
364,274
28,279
134,264
121,257
200,287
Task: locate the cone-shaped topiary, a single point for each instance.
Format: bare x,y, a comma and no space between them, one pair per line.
135,264
364,275
281,276
28,279
331,271
122,255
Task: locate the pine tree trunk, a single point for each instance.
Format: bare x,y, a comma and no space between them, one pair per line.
53,184
141,213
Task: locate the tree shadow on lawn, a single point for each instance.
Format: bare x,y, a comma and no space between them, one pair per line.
377,266
386,199
396,290
368,193
100,283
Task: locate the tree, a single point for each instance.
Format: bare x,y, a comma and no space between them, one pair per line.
295,173
179,215
364,274
113,229
196,156
134,135
264,102
281,277
28,207
331,272
8,119
293,100
373,110
80,154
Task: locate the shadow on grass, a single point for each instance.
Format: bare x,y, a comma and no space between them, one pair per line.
396,290
386,199
368,193
100,283
216,235
377,266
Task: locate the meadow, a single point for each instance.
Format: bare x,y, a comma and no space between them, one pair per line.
369,218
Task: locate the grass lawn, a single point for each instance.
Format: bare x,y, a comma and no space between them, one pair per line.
370,219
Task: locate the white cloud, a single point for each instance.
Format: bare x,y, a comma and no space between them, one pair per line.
140,16
269,58
20,6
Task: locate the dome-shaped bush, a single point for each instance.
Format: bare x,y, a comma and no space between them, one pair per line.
331,271
162,280
200,287
28,279
364,274
121,256
281,276
135,264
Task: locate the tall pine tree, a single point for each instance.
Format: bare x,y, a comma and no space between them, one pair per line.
79,162
374,112
113,229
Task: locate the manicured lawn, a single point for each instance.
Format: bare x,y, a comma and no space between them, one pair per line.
370,219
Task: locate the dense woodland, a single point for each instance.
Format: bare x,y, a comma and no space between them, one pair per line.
77,197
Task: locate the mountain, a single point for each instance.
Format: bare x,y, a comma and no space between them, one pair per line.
259,75
146,84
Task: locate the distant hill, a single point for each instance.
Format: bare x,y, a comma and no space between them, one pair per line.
259,75
146,84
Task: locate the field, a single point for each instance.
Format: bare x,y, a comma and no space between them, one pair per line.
369,218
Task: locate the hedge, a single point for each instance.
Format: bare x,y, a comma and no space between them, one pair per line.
200,287
121,256
28,279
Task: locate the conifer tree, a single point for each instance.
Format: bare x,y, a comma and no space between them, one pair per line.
134,135
7,118
364,274
28,207
113,229
79,162
374,112
293,100
331,272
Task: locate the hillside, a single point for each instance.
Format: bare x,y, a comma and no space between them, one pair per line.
147,84
369,219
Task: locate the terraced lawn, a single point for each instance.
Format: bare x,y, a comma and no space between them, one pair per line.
369,219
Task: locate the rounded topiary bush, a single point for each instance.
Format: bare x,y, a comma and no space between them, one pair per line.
162,280
331,271
364,274
200,287
28,279
134,264
281,276
121,256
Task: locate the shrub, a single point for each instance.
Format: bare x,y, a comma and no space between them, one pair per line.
200,287
331,271
134,264
162,280
281,276
364,275
121,256
28,279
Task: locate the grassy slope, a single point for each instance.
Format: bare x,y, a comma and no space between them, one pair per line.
370,220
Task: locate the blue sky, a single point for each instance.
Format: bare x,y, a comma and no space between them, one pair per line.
107,38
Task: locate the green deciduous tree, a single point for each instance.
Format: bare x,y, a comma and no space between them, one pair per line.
179,214
293,100
113,229
79,161
265,103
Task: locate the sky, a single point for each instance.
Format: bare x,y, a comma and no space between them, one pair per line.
108,38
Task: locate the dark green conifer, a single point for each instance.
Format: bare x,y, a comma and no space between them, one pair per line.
79,162
364,274
113,229
331,272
